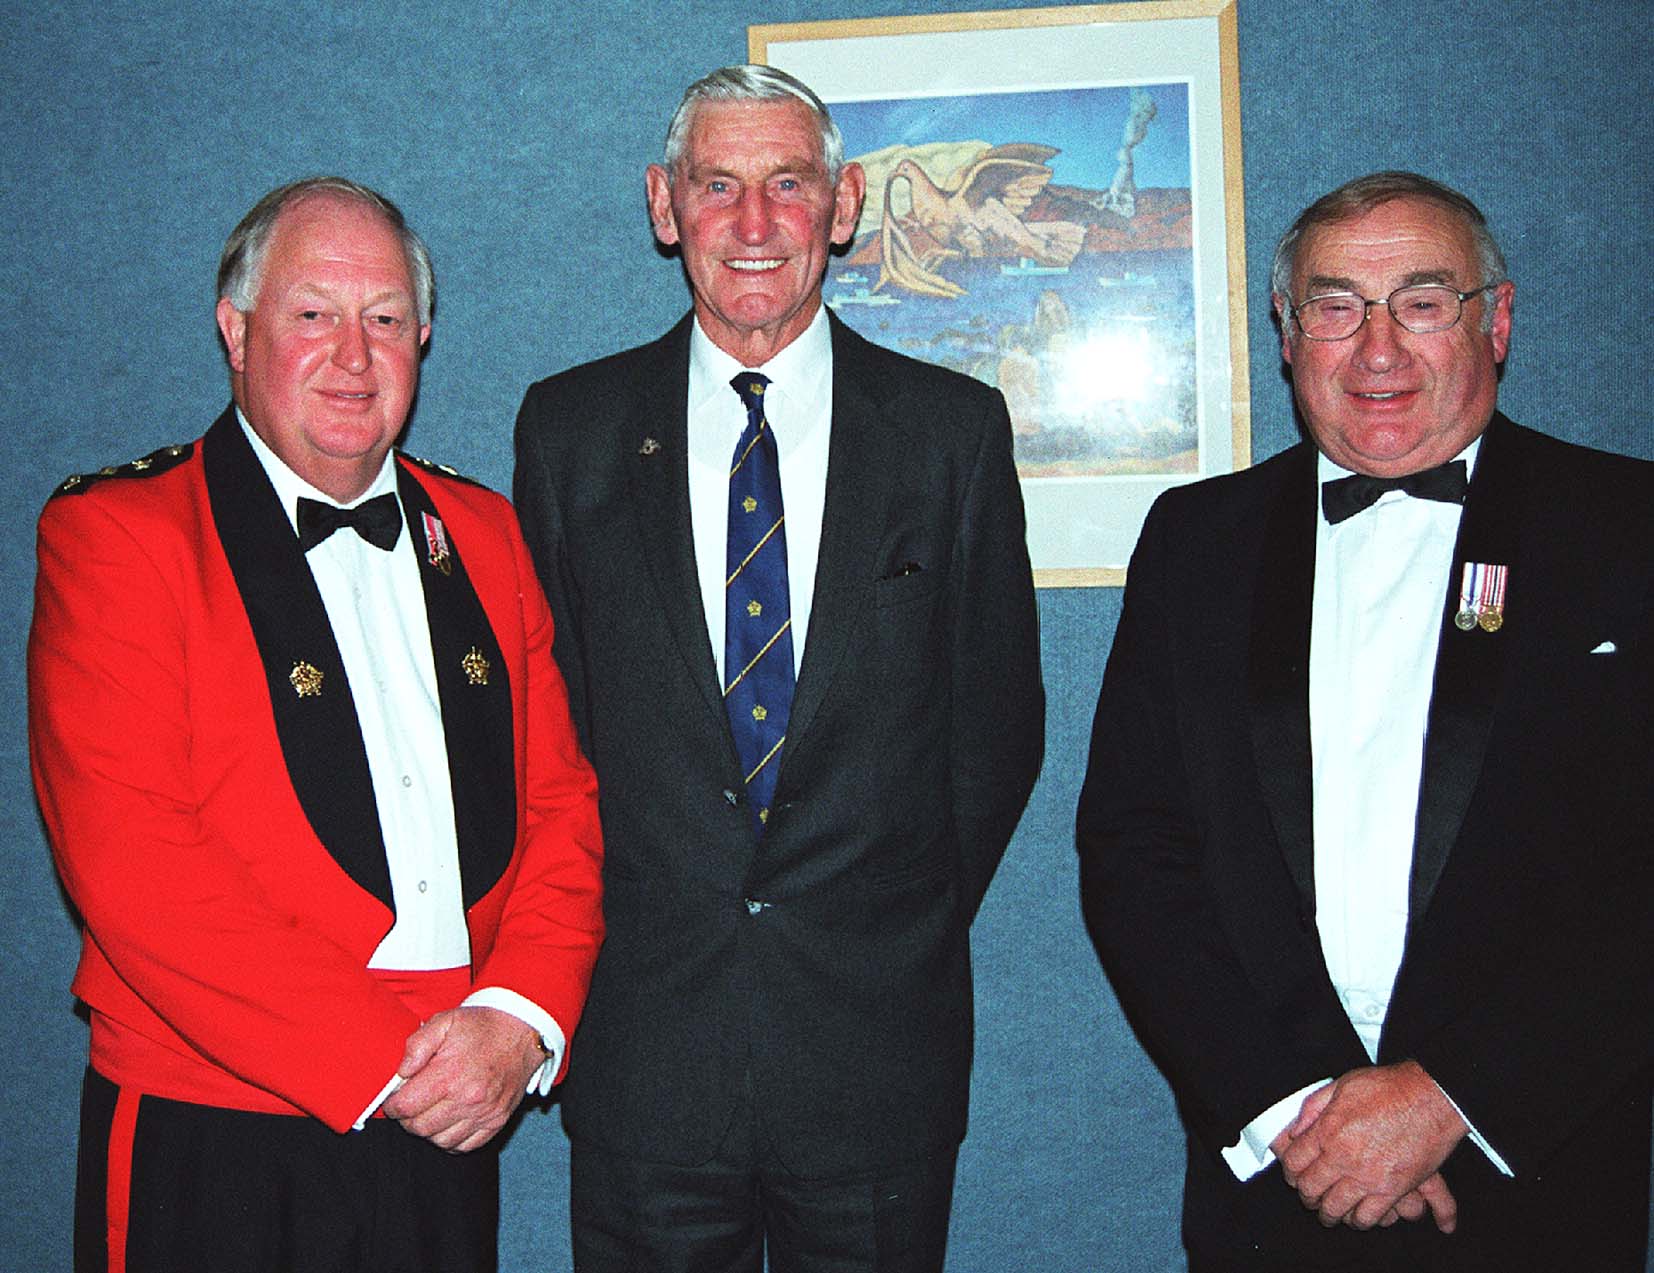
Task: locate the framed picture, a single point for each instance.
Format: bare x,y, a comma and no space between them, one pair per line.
1054,206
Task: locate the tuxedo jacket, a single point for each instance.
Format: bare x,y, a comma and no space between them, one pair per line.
1524,987
216,828
823,969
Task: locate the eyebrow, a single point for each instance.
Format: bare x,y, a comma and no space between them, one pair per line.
312,291
798,166
1318,283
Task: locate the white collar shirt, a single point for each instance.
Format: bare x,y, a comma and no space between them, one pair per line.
1381,578
375,605
799,407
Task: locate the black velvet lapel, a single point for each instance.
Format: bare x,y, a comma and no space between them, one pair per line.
655,433
474,689
320,738
1278,676
1469,665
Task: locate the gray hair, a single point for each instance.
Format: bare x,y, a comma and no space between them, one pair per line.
241,268
1357,198
751,83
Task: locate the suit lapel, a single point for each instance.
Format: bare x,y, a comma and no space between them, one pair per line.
859,467
1469,665
474,689
1278,675
654,433
319,735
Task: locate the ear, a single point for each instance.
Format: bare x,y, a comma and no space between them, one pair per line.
660,204
1504,297
1279,302
847,199
232,325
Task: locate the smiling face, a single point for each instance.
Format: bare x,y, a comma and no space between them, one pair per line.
1387,401
753,212
325,364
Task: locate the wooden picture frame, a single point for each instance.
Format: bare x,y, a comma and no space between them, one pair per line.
1055,206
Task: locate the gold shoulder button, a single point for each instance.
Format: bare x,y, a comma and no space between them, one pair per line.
443,470
158,461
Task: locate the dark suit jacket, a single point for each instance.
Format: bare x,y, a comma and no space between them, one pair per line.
829,964
218,831
1524,989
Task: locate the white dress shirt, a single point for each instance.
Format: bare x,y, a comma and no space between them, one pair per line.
1381,579
375,605
799,406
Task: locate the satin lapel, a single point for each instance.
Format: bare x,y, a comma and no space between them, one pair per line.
1469,665
474,689
860,460
319,735
654,430
1278,676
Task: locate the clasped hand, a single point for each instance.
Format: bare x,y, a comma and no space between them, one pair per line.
1365,1149
465,1071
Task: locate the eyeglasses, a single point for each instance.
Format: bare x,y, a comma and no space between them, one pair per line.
1422,308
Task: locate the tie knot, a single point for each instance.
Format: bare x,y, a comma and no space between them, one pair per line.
750,385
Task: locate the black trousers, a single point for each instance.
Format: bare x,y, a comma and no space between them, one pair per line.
177,1187
633,1216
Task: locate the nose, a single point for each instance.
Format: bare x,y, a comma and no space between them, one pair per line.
1378,341
752,217
350,348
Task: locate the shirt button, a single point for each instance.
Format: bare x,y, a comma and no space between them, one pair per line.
407,781
422,886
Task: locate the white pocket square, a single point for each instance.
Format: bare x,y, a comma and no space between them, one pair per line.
1607,647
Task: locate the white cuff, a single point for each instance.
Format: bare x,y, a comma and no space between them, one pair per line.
1251,1153
1476,1137
384,1095
532,1014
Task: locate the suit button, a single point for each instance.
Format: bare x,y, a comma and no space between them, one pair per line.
754,906
732,798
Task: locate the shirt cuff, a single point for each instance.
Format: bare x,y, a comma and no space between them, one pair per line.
384,1095
1476,1137
533,1015
1251,1153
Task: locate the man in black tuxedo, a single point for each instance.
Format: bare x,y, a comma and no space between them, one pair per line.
1364,841
805,665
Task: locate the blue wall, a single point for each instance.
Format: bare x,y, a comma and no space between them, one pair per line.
515,135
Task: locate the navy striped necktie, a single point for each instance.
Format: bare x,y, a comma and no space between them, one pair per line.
758,640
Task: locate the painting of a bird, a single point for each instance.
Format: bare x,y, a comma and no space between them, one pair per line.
979,216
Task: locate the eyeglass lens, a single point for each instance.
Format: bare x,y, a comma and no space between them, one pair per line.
1428,307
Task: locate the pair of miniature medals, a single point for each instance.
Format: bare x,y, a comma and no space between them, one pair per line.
1481,597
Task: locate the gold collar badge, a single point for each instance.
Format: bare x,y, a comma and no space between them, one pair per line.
306,679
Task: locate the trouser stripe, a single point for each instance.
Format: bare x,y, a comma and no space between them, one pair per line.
118,1190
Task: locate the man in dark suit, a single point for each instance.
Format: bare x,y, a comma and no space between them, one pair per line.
309,778
1365,836
778,1044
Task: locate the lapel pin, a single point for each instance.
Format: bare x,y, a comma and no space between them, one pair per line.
436,545
475,667
306,679
1482,597
649,447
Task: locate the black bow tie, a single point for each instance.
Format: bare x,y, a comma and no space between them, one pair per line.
1344,497
379,521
